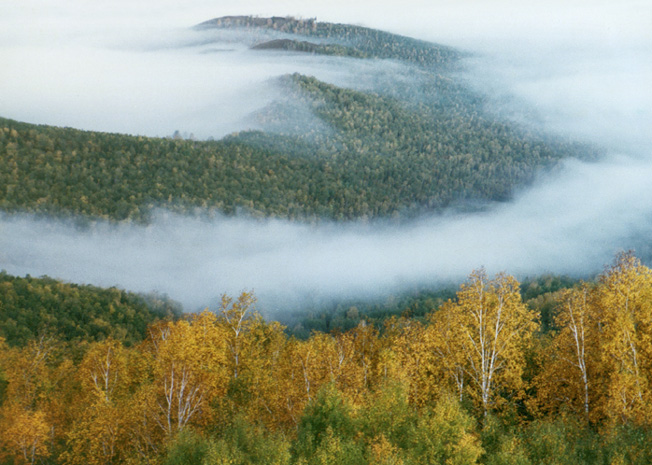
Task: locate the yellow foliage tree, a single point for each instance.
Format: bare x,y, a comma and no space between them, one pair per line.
365,348
98,437
30,405
446,361
27,371
236,319
25,434
99,434
405,358
304,367
189,370
624,302
103,371
572,359
261,372
494,329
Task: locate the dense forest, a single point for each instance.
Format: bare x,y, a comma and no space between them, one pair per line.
420,142
33,307
360,41
308,47
478,380
385,162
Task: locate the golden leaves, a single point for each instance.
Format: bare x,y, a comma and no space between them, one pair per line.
484,337
600,358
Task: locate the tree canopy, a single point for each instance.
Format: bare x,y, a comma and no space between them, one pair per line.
477,381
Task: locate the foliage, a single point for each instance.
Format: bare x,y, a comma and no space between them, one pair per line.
444,435
599,360
31,307
229,387
365,41
309,47
327,417
188,447
245,443
490,329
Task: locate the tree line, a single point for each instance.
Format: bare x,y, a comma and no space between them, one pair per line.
477,381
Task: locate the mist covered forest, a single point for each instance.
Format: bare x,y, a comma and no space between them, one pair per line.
378,157
554,369
404,148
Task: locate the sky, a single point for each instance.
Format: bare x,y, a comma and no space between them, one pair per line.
578,68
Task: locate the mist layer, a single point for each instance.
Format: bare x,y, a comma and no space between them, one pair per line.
572,224
581,70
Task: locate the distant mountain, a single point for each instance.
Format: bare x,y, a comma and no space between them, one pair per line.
357,40
413,139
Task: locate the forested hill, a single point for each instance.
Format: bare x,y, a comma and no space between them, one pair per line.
350,40
77,314
403,144
385,159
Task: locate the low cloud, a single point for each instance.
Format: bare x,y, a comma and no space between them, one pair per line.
571,224
581,70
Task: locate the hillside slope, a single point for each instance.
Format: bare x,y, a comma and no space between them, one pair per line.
413,139
32,307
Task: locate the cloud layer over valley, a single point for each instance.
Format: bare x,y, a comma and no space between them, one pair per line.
572,224
135,67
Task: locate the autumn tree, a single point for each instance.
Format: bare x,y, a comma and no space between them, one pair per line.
445,360
404,358
98,435
188,371
26,416
624,302
261,389
236,315
306,366
25,435
366,347
494,328
571,364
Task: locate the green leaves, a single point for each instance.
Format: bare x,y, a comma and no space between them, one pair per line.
34,306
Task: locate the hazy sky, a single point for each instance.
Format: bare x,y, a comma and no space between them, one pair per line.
579,67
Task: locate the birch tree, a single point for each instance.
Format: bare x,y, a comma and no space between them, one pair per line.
25,435
571,360
189,370
98,435
494,328
235,315
624,300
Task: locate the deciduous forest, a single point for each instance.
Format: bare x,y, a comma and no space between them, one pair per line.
479,380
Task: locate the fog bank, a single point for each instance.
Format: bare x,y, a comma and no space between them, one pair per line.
581,69
572,224
139,68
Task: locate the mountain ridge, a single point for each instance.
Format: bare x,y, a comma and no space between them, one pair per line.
403,145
